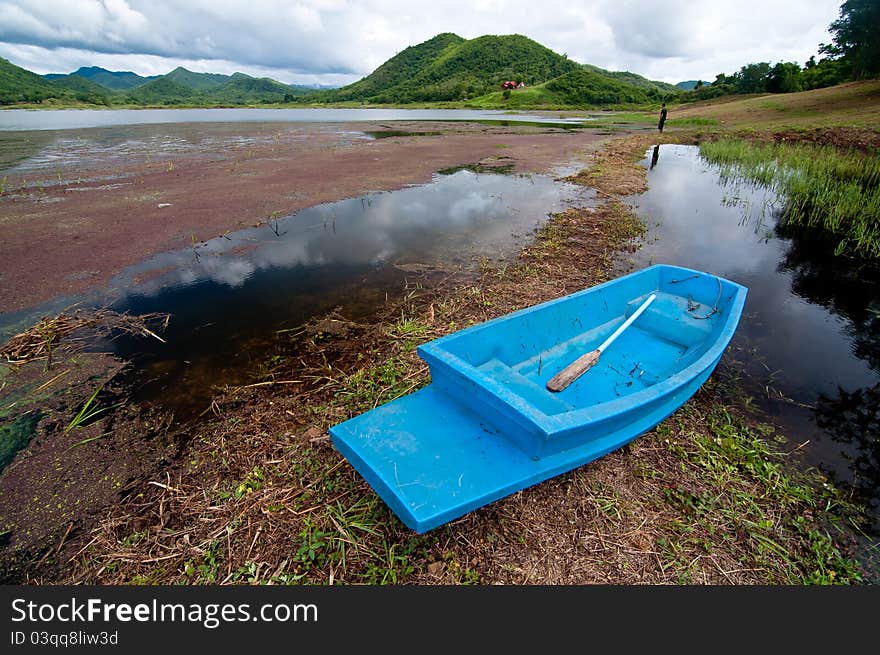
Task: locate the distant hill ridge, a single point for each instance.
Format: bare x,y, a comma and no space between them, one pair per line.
687,85
79,84
20,85
196,81
113,80
445,68
182,86
632,79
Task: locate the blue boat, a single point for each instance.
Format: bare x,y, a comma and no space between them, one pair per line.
527,396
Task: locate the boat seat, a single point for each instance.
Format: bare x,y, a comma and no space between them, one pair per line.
668,318
523,387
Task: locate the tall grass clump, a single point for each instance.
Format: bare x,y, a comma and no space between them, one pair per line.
824,188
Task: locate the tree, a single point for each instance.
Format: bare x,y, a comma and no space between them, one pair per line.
857,37
827,72
784,78
752,78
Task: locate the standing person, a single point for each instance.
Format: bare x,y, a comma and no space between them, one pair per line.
662,117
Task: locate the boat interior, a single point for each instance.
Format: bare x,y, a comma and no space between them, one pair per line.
524,350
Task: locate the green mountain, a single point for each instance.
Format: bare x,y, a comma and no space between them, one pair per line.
161,91
181,86
196,81
244,89
80,84
20,85
178,87
185,87
688,85
586,88
397,71
449,67
84,90
444,68
633,79
113,80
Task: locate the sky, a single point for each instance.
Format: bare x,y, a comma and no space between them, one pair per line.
336,42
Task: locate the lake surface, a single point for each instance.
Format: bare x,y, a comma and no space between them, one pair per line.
229,296
808,344
72,119
47,153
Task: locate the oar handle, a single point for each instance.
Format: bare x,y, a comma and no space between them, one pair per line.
627,322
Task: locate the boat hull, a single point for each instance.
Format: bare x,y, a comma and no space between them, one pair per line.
487,427
432,460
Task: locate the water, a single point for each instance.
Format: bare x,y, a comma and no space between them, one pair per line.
230,295
808,343
70,119
48,153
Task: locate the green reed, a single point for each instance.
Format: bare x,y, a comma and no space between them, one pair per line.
825,189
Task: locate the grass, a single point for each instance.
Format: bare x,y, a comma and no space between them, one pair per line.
530,98
265,499
692,122
825,189
751,498
852,105
703,494
87,412
372,386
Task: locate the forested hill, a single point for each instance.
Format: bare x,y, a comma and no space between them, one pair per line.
632,79
448,67
20,85
97,86
398,70
181,86
112,80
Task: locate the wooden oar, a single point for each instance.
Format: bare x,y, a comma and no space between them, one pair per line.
583,363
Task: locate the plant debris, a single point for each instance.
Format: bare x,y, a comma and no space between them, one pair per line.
258,495
74,330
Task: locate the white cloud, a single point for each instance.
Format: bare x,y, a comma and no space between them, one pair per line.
338,41
656,30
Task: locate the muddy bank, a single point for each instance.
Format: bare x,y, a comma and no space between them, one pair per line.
64,230
71,445
262,496
257,494
88,221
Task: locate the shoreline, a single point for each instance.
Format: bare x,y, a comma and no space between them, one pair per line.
163,201
255,493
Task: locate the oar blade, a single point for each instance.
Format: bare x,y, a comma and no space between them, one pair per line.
573,371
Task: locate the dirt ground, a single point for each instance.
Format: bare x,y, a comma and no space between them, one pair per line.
67,229
253,491
64,233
